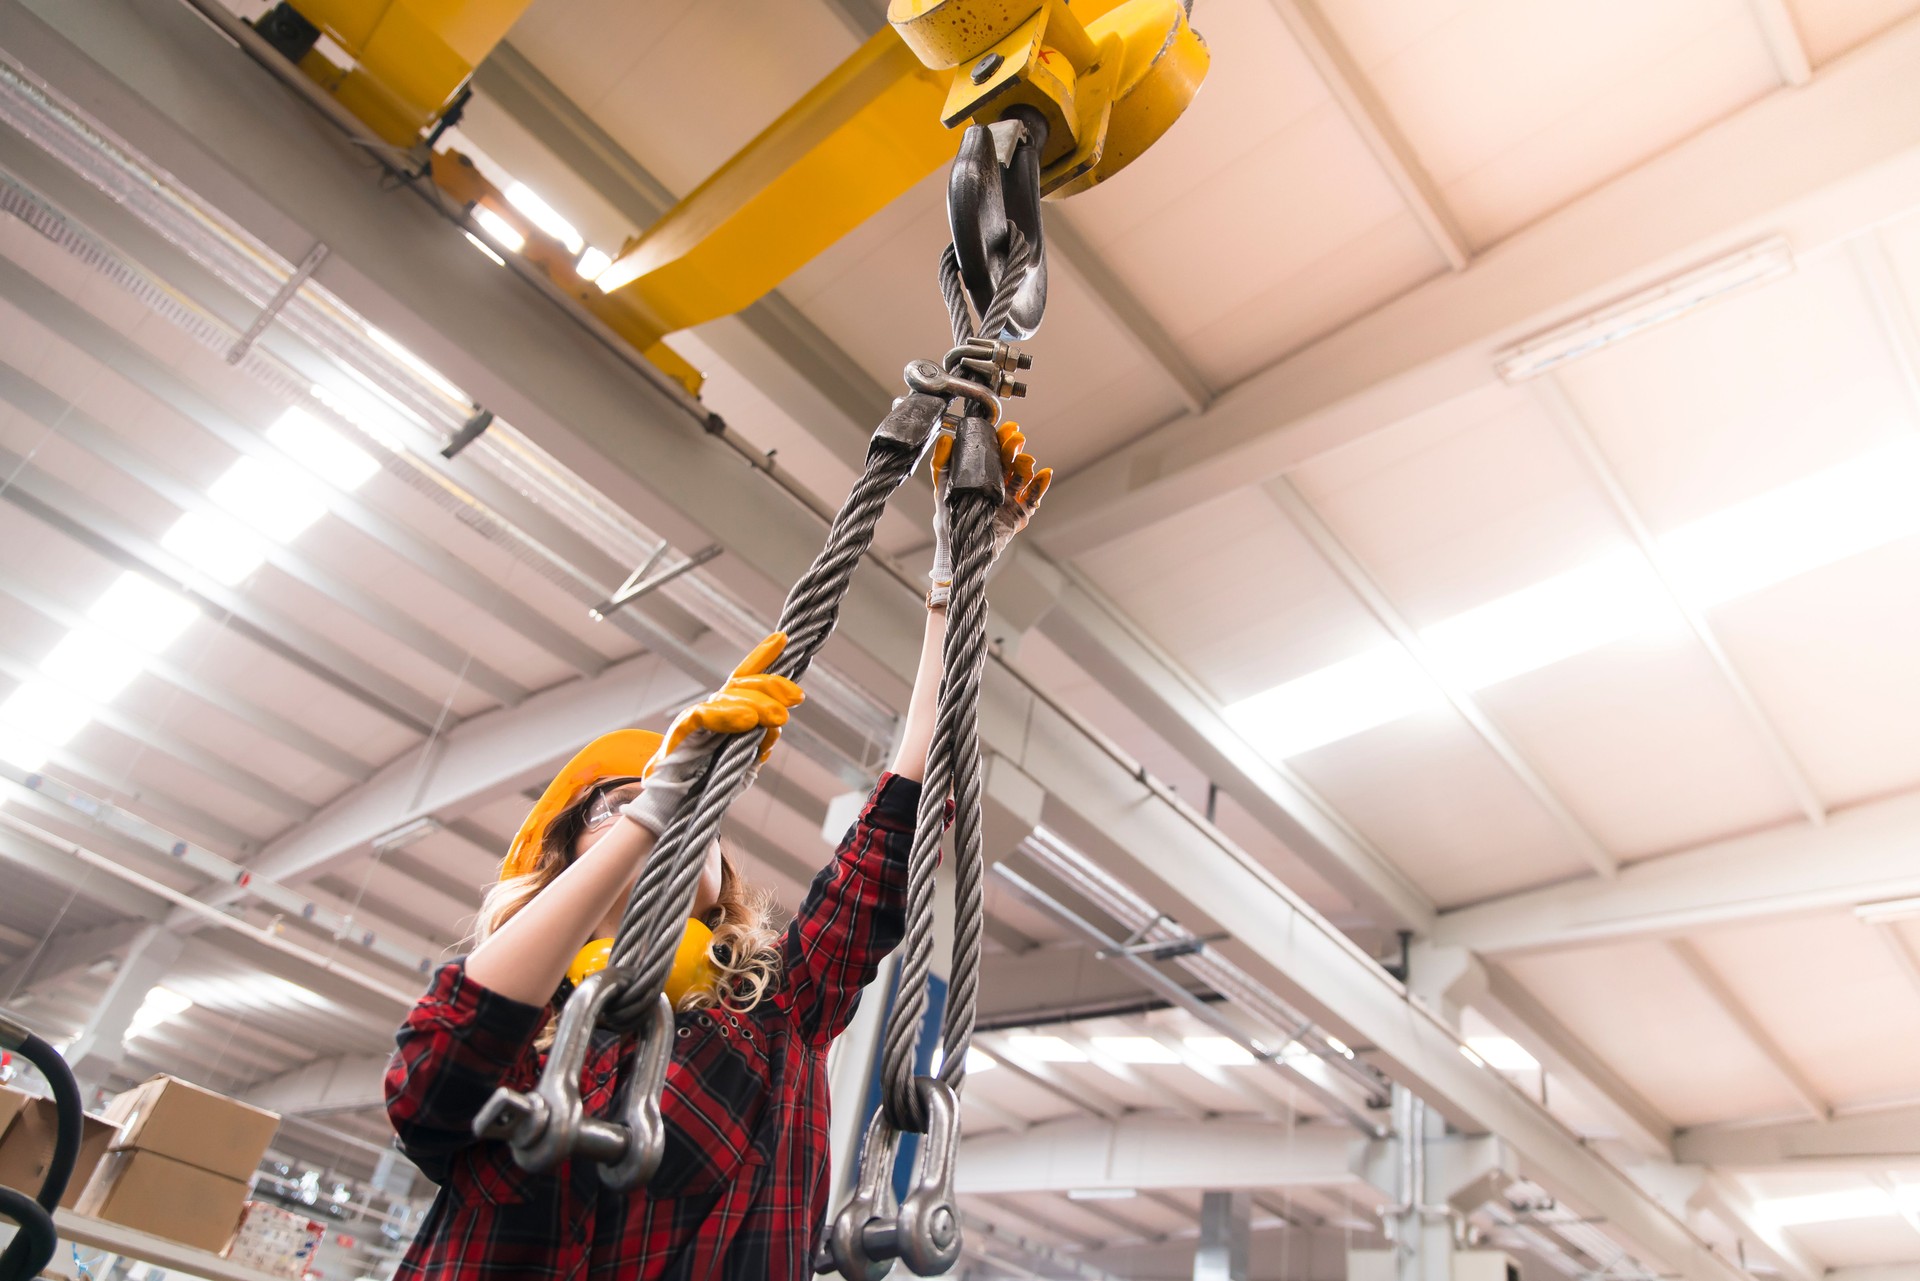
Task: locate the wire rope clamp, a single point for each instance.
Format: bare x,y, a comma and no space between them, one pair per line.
910,424
975,465
544,1127
643,1132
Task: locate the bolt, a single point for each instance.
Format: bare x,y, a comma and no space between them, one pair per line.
1017,389
983,70
1024,362
942,1227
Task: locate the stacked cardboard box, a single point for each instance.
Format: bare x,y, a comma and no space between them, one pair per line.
275,1240
180,1165
28,1126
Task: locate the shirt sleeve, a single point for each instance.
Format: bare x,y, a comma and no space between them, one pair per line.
854,913
458,1043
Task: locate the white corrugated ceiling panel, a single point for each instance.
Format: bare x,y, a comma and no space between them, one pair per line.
1517,106
1829,28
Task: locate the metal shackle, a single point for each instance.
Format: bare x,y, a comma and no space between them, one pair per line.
859,1242
928,1238
925,376
544,1127
643,1133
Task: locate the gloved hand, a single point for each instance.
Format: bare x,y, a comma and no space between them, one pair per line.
751,699
1025,488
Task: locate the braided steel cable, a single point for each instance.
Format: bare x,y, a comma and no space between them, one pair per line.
650,929
953,763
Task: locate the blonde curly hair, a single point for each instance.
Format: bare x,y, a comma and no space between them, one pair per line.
746,947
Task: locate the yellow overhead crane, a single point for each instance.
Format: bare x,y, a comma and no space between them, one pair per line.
1093,83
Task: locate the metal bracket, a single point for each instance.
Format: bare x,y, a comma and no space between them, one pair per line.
281,297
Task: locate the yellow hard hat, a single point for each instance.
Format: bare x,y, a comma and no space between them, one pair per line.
624,753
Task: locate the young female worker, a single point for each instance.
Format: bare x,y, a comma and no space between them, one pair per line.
742,1188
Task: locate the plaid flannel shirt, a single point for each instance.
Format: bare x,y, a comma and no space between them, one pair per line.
742,1188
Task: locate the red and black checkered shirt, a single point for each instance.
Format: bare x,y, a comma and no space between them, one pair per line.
742,1189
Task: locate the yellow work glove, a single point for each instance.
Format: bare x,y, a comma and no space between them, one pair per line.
751,699
1025,488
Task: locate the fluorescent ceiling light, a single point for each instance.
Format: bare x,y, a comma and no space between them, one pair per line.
1101,1194
142,613
1336,702
45,712
1838,1207
1639,312
161,1005
93,664
322,450
1135,1049
592,263
1339,1047
1836,513
484,248
1842,511
545,216
1220,1051
1502,1053
387,343
272,497
504,233
407,833
223,549
980,1061
1045,1049
1887,911
23,750
1572,613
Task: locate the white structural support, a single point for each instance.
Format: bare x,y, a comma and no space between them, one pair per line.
1840,154
1871,1141
1362,105
98,1049
483,758
191,102
1157,1152
1114,652
1862,855
1762,1040
1226,1220
1360,582
1775,20
344,1083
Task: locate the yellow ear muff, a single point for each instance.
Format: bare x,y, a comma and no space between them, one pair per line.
692,970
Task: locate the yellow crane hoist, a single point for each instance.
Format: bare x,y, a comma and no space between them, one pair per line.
1087,87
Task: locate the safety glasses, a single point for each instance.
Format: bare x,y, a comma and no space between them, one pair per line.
602,808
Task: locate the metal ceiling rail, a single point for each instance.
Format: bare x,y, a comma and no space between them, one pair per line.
204,862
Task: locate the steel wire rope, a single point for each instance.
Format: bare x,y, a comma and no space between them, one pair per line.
953,763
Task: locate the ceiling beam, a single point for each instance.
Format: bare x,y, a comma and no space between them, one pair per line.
1782,36
1870,1140
1347,567
1166,1153
340,1083
1863,855
1361,103
483,758
1839,154
1114,651
64,954
1750,1026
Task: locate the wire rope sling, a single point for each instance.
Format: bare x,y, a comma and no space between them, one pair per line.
34,1242
993,282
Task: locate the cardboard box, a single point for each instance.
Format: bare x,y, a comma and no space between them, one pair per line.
169,1198
28,1127
173,1119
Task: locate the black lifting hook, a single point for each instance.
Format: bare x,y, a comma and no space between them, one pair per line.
994,184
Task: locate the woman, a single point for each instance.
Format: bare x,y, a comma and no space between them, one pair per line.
742,1188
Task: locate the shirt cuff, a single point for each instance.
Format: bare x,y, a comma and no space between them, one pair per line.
480,1011
895,804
